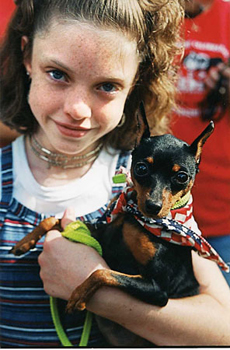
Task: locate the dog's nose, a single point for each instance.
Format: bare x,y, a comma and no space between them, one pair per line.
152,207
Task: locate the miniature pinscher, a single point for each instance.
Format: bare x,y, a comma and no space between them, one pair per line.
142,264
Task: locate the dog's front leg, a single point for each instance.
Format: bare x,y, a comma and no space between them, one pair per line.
146,290
30,240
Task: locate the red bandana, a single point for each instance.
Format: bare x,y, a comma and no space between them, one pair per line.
166,228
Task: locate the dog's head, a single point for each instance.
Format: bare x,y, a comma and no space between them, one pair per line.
163,169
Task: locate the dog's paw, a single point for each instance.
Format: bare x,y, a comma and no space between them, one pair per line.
77,301
20,249
82,294
75,306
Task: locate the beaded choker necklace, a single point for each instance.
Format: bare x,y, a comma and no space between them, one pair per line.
61,160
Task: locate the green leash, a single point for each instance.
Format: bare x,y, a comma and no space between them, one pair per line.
77,232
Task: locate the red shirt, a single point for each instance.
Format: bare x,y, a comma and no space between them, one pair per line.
6,9
207,43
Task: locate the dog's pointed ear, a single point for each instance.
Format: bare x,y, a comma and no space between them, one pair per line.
142,121
198,143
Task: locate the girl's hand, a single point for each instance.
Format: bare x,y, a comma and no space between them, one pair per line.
64,264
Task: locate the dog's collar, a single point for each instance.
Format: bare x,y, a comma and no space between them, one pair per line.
182,202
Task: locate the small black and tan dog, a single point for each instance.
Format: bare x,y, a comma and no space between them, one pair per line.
152,269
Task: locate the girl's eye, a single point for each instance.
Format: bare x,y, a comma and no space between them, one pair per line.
108,87
57,75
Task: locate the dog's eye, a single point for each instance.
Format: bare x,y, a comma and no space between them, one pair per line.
181,177
141,169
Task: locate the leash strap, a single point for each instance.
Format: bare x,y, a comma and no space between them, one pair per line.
76,232
57,323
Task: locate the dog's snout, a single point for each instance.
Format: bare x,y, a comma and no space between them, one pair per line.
152,207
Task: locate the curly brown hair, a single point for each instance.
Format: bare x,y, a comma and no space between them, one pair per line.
153,24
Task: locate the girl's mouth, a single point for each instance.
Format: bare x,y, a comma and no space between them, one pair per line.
72,131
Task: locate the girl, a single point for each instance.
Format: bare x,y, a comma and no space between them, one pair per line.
74,73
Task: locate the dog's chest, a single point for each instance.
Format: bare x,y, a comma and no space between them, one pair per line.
141,247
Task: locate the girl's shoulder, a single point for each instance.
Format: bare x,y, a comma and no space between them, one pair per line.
8,154
110,156
15,146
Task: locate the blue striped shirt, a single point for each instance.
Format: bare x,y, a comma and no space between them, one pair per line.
25,311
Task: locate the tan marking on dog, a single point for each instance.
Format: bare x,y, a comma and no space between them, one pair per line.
169,199
119,220
29,241
150,160
139,243
167,203
176,167
201,143
142,194
189,187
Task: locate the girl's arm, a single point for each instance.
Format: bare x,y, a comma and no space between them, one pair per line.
193,321
199,320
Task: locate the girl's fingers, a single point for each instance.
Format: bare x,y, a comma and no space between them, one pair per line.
68,217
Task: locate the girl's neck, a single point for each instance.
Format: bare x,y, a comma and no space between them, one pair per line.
50,176
60,160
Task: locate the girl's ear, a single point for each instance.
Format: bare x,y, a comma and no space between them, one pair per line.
26,60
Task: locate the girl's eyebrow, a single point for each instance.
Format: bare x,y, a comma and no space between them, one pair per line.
60,64
109,78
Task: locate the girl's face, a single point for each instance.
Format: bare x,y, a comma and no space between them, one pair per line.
81,76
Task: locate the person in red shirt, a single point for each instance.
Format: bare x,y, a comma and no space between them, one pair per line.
203,95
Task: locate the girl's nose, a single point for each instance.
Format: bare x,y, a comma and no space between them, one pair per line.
77,106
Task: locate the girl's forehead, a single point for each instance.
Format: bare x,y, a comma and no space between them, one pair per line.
85,30
76,42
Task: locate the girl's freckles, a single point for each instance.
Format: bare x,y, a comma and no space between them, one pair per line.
80,78
95,51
